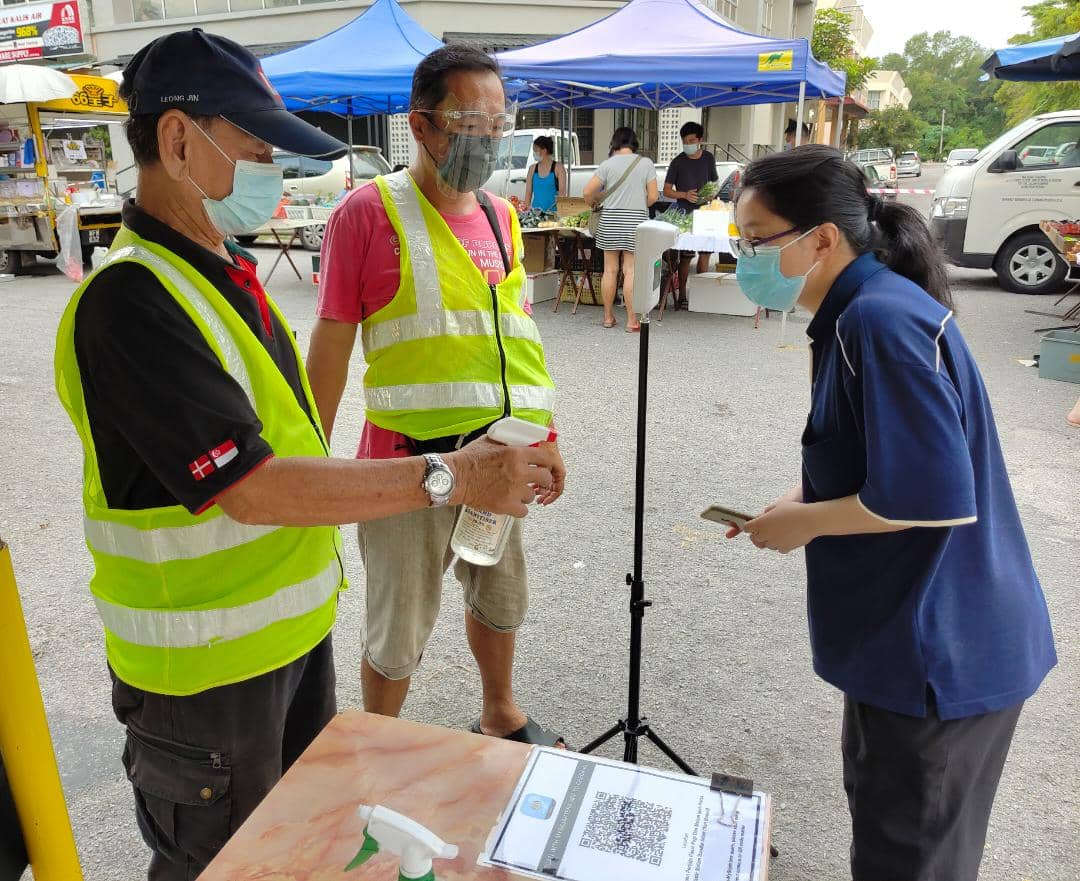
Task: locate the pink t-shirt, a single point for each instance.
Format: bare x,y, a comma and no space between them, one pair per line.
360,273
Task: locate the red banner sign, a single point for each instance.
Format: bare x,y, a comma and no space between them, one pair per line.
40,30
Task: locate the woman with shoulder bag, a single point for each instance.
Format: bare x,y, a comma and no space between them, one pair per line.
621,192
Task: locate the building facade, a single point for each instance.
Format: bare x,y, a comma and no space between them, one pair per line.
116,29
885,89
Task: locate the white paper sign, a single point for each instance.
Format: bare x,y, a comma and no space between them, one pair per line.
75,151
578,818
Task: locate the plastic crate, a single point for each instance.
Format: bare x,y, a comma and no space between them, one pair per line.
1059,356
298,212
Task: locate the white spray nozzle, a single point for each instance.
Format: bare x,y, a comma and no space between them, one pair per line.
516,432
415,845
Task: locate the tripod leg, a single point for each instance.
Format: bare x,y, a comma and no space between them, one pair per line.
604,738
630,750
669,752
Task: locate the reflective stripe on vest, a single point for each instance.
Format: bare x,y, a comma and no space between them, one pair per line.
425,274
203,627
447,395
234,363
171,542
436,324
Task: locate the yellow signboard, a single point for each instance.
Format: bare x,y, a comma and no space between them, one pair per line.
771,62
95,95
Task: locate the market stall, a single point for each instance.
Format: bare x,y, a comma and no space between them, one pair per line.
58,190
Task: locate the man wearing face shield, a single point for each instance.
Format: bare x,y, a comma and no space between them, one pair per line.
428,266
210,501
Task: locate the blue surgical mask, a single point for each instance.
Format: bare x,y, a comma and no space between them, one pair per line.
691,149
762,281
536,156
256,193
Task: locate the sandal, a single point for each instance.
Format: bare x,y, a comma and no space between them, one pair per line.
634,329
610,323
531,732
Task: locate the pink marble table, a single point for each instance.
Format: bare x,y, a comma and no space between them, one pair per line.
453,782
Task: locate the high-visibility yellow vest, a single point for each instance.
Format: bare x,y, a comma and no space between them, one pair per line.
450,353
191,602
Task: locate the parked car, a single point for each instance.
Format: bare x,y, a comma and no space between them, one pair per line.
908,163
882,159
874,181
1037,155
317,178
960,155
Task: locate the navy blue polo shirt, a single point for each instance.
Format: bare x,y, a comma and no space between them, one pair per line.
900,418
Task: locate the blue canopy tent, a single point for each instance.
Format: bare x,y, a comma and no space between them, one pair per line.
1057,58
655,54
364,67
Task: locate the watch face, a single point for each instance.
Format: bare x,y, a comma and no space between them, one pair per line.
440,483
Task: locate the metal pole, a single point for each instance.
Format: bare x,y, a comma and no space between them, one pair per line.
348,126
840,123
941,140
799,113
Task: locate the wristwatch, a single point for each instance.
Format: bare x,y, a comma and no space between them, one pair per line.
438,480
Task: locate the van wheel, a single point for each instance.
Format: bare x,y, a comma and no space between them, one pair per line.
311,237
10,262
1029,264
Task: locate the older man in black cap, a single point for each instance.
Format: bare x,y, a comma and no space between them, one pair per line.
210,501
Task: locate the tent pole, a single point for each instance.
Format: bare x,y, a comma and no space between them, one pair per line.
348,126
840,123
799,114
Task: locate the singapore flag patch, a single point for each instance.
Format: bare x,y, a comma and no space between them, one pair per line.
218,457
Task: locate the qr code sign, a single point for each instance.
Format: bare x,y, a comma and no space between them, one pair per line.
627,827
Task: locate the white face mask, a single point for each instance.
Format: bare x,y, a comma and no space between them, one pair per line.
691,149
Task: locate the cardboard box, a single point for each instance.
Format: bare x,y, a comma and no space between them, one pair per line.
718,293
539,253
567,205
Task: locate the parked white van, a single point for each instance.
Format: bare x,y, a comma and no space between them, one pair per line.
986,211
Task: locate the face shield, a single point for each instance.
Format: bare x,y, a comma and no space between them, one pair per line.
468,145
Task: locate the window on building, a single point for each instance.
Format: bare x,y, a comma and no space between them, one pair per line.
875,100
646,123
768,12
158,10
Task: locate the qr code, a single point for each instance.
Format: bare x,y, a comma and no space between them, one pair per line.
627,827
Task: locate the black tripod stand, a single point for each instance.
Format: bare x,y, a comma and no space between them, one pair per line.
633,726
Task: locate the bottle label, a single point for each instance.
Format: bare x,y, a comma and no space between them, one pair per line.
480,530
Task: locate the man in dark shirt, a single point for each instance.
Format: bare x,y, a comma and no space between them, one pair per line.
175,427
688,173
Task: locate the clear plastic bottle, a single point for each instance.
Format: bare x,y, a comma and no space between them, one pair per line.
479,536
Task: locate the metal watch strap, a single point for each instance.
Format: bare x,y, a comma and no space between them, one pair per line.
435,463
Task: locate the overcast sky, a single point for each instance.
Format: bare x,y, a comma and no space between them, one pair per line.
990,23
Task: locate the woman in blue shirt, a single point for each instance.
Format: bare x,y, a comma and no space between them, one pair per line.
546,178
923,605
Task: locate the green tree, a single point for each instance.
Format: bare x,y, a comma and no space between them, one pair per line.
942,70
1049,18
895,127
832,44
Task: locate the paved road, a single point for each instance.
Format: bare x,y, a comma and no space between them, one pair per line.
727,676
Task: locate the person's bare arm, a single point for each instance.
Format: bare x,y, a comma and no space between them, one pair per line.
670,193
311,491
328,366
651,192
560,172
593,189
528,187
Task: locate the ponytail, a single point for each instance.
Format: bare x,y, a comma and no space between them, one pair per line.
905,246
814,184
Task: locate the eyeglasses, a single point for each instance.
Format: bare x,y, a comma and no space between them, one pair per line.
473,122
748,247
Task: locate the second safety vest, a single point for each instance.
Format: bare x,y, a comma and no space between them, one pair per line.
450,353
194,601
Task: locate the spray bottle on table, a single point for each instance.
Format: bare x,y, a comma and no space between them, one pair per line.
415,845
479,536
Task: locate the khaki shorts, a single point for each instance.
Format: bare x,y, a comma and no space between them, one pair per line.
406,557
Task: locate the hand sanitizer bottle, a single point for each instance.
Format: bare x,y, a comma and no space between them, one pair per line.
480,537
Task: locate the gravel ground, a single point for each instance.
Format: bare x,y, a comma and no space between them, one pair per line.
727,677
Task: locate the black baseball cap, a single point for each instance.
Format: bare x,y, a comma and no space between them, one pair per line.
208,75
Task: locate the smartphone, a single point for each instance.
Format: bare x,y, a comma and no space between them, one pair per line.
720,514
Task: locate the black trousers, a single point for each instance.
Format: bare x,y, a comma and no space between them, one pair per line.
920,791
199,765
